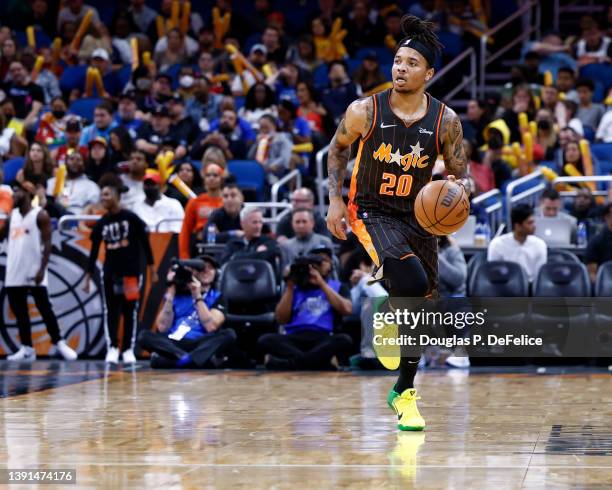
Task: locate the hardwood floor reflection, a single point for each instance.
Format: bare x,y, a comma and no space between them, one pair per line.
122,428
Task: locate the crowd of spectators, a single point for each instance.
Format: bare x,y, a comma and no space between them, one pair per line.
85,92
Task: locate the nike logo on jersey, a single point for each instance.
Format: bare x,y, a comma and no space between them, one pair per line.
383,125
426,131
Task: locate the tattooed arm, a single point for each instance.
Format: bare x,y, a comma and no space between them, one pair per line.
452,148
357,122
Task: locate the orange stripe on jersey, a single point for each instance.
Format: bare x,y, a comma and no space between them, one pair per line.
373,119
407,255
364,237
353,188
438,128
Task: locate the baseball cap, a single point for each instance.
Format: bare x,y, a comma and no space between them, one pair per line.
321,249
164,75
161,110
98,140
153,176
129,94
210,259
100,53
259,47
73,125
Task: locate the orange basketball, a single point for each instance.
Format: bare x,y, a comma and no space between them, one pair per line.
442,207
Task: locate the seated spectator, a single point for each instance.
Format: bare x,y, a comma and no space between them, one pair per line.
126,116
102,125
74,11
203,107
452,268
37,168
173,49
593,46
151,138
100,59
566,78
99,162
273,150
226,219
368,75
260,100
304,53
271,39
189,333
571,121
552,207
183,127
228,137
200,208
546,137
566,135
133,180
478,118
497,136
142,15
78,191
311,110
362,32
28,98
192,179
52,126
247,134
584,207
121,146
589,114
72,143
480,172
300,198
522,101
604,130
599,249
11,145
309,310
252,245
520,245
243,82
553,51
157,207
305,239
571,154
340,92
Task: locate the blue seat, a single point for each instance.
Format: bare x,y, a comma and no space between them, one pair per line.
453,45
41,37
320,76
249,175
73,77
11,168
603,153
85,107
124,74
173,72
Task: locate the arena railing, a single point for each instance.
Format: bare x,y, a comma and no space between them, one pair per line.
322,182
573,8
534,27
528,196
71,218
471,80
494,210
582,180
294,174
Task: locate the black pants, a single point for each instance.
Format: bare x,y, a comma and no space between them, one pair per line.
116,307
306,349
201,350
18,299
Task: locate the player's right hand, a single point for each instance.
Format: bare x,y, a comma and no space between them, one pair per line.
337,218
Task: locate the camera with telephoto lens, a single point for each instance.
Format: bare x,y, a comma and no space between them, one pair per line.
299,272
183,274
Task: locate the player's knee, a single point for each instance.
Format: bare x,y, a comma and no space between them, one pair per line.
407,277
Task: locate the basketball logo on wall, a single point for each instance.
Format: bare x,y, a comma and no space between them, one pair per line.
80,315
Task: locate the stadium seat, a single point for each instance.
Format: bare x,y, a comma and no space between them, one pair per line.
11,168
250,175
319,76
249,292
603,283
603,153
384,55
601,74
124,74
173,72
562,279
85,107
476,259
499,279
555,256
73,77
41,37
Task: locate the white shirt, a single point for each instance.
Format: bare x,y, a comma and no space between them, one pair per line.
77,194
164,208
24,252
604,131
135,193
530,255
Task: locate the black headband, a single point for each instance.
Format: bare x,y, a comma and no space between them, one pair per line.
426,51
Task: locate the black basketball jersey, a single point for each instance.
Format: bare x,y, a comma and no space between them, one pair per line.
394,160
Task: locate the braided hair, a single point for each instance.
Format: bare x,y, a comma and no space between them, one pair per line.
421,31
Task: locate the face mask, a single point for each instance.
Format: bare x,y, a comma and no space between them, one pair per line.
544,125
143,84
58,114
186,81
152,193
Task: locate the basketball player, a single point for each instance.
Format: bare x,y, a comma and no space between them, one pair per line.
27,258
401,131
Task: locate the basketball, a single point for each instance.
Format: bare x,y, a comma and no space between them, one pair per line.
442,207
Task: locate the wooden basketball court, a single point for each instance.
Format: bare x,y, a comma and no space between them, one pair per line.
137,428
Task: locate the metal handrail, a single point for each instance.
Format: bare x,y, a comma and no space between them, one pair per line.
322,182
166,220
76,217
510,199
471,79
493,211
583,178
277,185
557,9
484,60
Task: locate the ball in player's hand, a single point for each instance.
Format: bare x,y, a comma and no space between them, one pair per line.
442,207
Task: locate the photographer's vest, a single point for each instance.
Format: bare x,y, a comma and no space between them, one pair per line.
311,310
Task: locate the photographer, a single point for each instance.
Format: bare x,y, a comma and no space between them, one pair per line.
188,325
310,307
